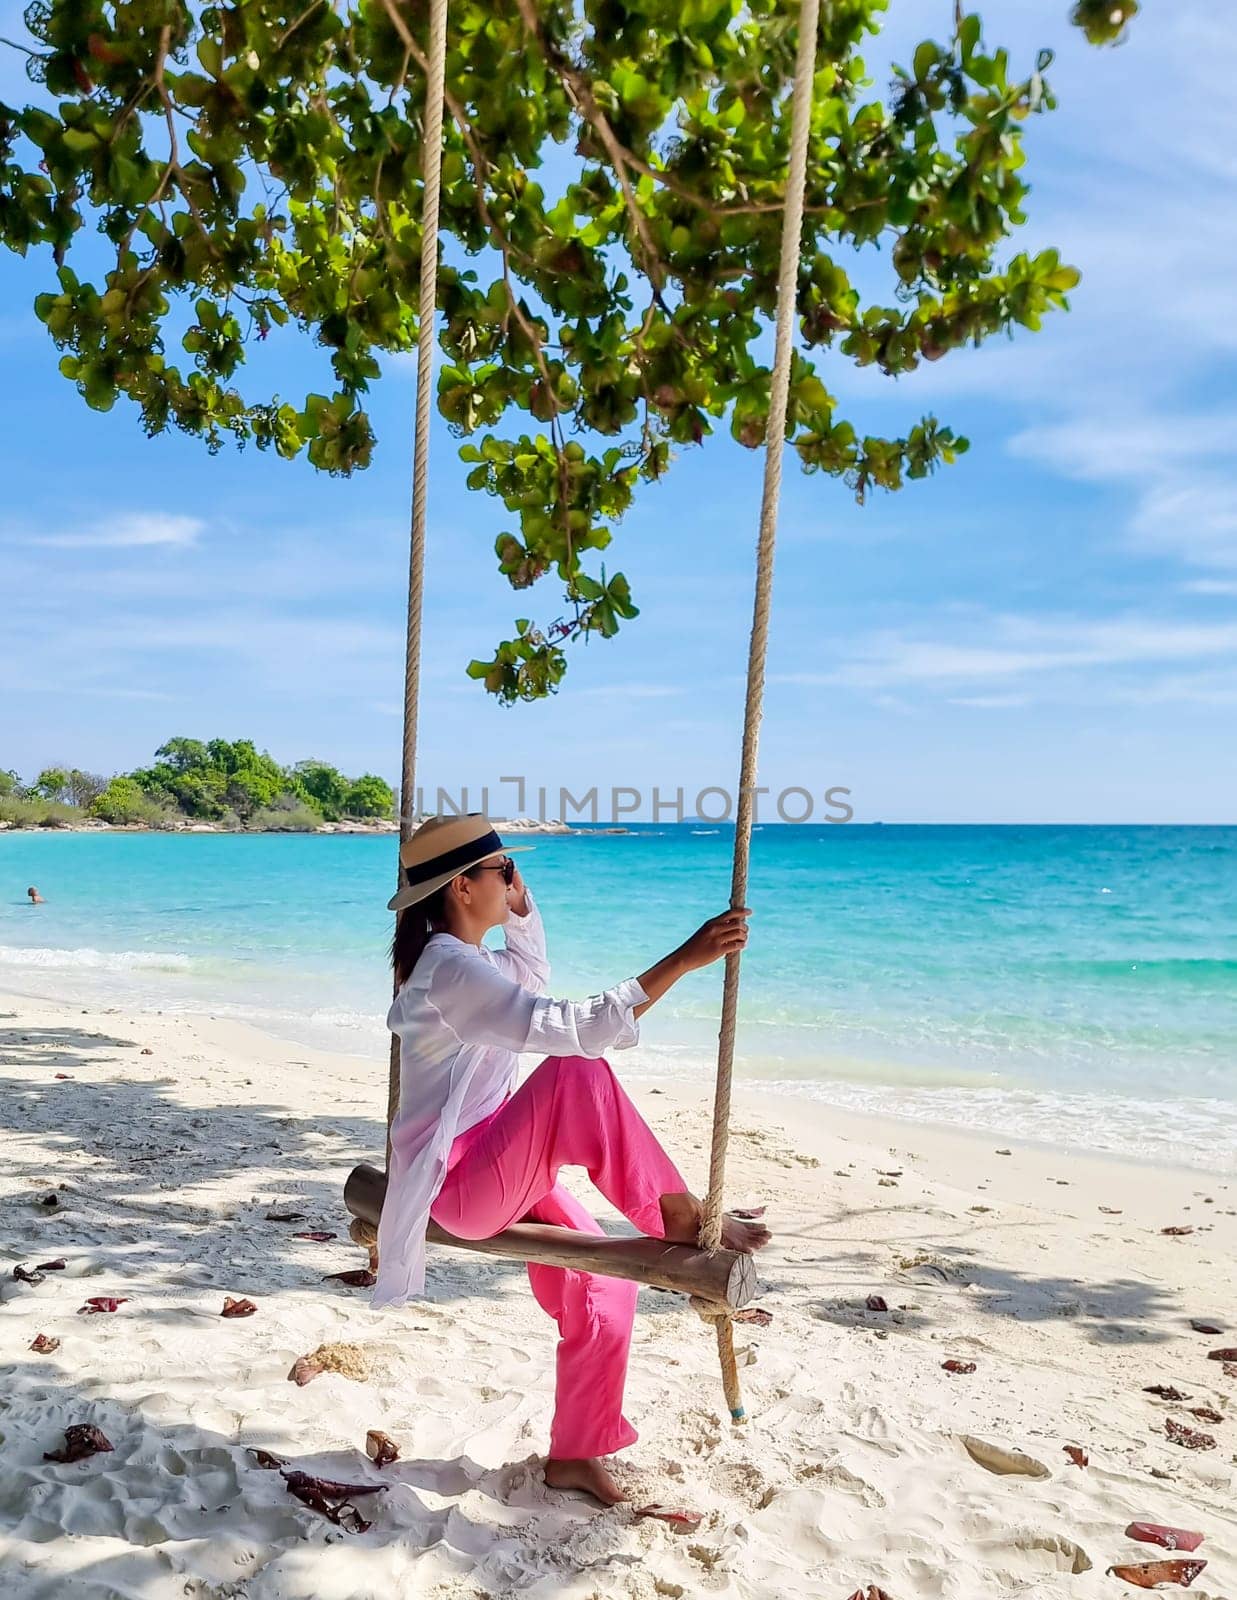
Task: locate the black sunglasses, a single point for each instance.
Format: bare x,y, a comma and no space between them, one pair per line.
506,866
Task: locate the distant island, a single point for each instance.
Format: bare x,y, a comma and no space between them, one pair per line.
212,786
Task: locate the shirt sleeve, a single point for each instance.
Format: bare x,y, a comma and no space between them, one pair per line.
524,956
483,1006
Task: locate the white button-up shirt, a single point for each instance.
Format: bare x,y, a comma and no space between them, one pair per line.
463,1017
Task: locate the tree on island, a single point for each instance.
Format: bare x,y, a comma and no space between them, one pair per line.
215,781
247,168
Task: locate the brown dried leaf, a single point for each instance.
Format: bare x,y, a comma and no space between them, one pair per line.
333,1500
65,1076
285,1216
1229,1354
24,1275
680,1521
356,1278
1111,1211
1077,1455
51,1266
1229,1369
267,1459
1169,1538
757,1316
330,1488
237,1308
749,1213
101,1302
959,1368
43,1345
1188,1438
1200,1326
317,1235
381,1448
1159,1574
1206,1414
1165,1391
1177,1232
870,1593
81,1440
876,1302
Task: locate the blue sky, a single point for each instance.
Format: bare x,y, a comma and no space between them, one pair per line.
1045,632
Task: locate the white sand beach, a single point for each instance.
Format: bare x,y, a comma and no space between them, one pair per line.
166,1141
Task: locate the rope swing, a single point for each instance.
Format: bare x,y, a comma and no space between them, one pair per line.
722,1280
753,708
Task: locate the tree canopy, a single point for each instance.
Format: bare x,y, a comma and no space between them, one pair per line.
201,175
217,780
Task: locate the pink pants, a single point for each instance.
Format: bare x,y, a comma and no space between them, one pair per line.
571,1112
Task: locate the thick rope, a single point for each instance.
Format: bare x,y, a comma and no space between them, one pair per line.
431,163
775,444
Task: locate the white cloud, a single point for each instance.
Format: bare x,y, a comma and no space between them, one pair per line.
130,530
1178,466
1046,654
991,702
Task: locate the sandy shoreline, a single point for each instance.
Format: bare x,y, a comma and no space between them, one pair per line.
174,1137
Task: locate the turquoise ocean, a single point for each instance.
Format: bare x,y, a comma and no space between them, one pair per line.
1071,984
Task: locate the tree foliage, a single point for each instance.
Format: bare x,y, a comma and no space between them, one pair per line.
216,780
613,187
68,786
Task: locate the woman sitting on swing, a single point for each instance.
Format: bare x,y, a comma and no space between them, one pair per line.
477,1154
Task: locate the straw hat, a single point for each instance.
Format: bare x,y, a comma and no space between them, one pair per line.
441,849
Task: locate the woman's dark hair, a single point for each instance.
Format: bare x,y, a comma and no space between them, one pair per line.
414,927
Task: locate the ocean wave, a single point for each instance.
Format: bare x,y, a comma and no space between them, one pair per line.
95,960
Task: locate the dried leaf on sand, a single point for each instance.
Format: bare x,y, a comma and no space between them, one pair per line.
237,1308
1168,1538
331,1499
1159,1574
81,1440
680,1521
1188,1438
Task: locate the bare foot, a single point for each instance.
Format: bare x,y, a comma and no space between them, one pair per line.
682,1215
588,1476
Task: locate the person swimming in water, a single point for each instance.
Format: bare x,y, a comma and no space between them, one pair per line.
36,899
